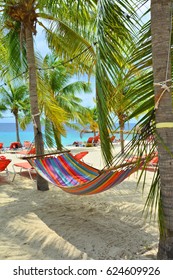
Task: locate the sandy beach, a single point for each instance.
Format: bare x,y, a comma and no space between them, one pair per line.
54,225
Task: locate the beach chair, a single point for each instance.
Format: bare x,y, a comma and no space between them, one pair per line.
114,140
30,151
24,166
80,155
15,145
96,140
4,162
93,141
27,144
89,142
152,165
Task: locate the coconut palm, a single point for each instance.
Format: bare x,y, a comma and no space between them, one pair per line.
105,69
56,81
119,102
161,51
20,18
105,45
2,109
15,97
159,109
91,121
161,58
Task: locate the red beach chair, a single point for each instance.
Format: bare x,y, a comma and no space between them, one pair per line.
90,140
4,162
23,166
27,144
15,145
80,155
96,140
30,151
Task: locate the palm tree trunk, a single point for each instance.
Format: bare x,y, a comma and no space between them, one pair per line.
160,30
121,125
42,184
17,128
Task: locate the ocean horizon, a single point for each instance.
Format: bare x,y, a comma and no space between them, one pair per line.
8,134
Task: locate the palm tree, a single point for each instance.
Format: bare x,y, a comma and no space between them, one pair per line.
119,102
161,58
160,102
161,42
104,45
91,121
56,81
16,99
21,17
105,69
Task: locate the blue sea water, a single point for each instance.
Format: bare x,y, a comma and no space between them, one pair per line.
8,134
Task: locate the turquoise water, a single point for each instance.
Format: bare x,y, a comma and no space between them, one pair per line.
8,134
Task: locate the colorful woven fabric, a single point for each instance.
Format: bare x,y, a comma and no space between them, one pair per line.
77,177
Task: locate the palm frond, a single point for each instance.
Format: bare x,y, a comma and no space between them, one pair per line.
69,45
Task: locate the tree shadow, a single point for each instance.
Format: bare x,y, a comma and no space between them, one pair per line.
56,225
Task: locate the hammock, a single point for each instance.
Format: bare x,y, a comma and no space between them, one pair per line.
77,177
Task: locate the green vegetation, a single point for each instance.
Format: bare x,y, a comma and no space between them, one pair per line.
107,39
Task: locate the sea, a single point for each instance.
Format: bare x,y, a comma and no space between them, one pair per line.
8,134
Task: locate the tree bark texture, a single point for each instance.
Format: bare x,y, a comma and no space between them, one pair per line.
17,128
160,30
42,184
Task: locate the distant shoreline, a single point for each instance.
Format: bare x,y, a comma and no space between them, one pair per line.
8,134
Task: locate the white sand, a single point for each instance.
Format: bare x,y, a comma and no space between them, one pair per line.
55,225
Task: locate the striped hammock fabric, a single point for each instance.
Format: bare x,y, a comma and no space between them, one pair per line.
76,177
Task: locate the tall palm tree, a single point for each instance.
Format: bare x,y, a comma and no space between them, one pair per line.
160,98
91,121
119,102
161,58
21,18
15,98
56,81
108,29
105,69
161,51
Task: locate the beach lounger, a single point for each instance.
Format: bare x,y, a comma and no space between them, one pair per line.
80,155
24,166
151,166
4,162
96,140
30,151
27,144
89,142
15,145
93,141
